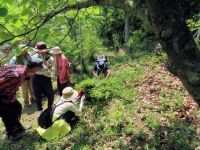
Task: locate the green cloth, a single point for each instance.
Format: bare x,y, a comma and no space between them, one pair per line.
60,128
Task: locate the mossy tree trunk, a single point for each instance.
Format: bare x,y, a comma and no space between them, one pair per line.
126,32
168,20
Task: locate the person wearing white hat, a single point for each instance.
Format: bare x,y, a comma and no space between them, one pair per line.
62,66
67,105
101,67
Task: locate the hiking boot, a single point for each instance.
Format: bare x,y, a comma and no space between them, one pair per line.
14,137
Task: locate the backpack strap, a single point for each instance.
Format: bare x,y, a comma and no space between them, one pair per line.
53,109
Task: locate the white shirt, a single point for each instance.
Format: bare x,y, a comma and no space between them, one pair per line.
45,71
13,61
66,106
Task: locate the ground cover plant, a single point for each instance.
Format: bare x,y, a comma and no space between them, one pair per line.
142,106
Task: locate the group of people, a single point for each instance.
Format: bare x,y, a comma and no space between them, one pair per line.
33,72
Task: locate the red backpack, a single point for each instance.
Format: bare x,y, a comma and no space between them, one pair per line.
8,72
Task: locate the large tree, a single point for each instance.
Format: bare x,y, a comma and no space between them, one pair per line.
167,18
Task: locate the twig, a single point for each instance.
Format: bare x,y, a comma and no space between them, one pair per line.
33,37
69,29
6,29
79,5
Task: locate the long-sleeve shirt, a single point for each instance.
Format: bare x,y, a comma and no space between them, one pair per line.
11,78
45,71
64,106
18,60
62,69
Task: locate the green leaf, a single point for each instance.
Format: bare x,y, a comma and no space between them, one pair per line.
5,36
9,1
44,30
3,12
26,12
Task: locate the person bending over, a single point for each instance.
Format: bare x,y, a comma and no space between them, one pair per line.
11,78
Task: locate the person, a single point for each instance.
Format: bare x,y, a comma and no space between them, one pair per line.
6,49
41,81
67,107
11,78
57,121
62,69
101,67
158,49
27,90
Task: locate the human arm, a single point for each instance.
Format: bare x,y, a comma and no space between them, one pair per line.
108,73
79,109
13,61
95,71
62,107
49,63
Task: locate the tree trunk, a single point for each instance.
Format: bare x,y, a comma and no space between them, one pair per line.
127,32
184,57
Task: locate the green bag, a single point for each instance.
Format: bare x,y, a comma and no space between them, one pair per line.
58,129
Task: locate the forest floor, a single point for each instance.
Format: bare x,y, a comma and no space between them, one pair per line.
153,111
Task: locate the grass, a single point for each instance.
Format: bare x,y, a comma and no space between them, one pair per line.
142,106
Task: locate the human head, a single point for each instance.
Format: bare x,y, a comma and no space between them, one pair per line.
56,51
34,65
24,50
6,48
101,64
41,48
69,94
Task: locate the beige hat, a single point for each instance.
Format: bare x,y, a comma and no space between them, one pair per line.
69,94
56,50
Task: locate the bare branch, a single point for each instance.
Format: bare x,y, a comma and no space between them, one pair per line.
7,29
78,6
71,25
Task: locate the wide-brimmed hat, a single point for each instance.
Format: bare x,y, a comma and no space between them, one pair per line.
69,94
56,50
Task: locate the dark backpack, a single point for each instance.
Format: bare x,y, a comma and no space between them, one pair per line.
6,73
45,119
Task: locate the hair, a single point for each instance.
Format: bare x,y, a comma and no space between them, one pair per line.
34,63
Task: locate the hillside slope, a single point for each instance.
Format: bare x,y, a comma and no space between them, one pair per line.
142,106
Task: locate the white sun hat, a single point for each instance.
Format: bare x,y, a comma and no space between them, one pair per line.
69,94
56,50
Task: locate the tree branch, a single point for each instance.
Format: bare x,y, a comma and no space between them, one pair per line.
71,25
7,29
79,5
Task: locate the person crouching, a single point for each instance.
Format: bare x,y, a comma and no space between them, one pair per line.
64,108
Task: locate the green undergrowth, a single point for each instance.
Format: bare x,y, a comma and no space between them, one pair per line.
114,118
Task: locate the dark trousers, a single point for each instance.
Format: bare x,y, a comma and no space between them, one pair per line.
42,85
11,114
71,118
61,86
